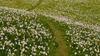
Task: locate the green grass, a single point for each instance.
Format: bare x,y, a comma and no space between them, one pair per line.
19,4
87,11
74,34
77,10
34,6
41,19
20,32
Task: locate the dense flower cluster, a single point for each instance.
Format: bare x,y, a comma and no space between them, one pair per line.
21,34
84,41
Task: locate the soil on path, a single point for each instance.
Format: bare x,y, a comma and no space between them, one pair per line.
62,49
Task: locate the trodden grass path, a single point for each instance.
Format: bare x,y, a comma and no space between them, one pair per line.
33,7
62,49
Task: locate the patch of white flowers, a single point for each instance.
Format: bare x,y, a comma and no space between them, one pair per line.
21,34
84,41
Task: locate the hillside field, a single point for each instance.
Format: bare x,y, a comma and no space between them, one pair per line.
49,27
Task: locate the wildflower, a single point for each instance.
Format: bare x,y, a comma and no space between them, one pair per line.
75,53
21,25
61,25
97,42
19,36
86,54
50,36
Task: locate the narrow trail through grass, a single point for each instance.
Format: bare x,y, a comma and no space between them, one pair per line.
74,11
33,7
62,49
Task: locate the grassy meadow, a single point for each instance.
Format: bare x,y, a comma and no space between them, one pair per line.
50,28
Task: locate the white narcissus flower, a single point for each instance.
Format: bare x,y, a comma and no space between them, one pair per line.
21,25
86,54
75,53
14,34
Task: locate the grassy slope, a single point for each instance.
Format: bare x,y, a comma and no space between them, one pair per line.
78,10
5,4
60,50
19,4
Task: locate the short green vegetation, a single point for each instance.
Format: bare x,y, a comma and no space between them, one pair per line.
31,31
